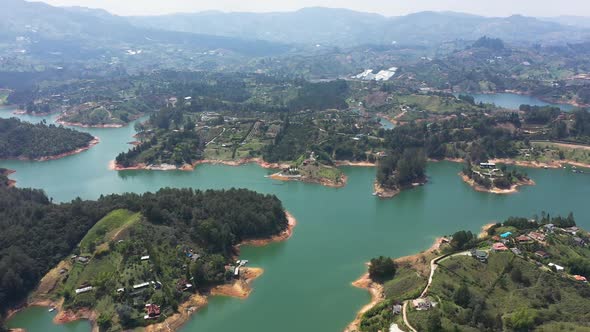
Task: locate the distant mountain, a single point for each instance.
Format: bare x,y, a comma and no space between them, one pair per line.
341,27
575,21
44,28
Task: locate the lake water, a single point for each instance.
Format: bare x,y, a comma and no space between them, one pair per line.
307,281
513,101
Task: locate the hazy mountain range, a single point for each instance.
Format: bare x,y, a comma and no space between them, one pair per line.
342,27
44,29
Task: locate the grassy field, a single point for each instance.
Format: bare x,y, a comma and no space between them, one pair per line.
107,229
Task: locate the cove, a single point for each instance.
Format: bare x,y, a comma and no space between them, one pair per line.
513,101
307,281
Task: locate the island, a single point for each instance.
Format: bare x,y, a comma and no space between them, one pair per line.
484,176
27,141
128,261
521,274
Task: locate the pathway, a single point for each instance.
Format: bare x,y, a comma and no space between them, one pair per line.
433,264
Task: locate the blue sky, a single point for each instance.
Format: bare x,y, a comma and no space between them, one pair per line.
385,7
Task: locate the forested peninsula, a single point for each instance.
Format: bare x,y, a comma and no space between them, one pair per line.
27,141
130,260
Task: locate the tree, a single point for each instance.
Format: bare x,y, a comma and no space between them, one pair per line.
462,296
382,268
523,320
462,240
434,322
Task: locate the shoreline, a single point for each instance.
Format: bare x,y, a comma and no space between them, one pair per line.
386,193
495,190
240,288
90,144
324,182
283,236
376,289
82,125
60,121
522,163
6,173
266,165
113,166
24,112
523,93
382,192
339,163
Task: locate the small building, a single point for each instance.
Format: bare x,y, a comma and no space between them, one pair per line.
499,246
523,239
145,258
487,165
579,241
83,289
480,255
397,309
82,259
142,285
580,278
558,268
537,236
542,254
549,228
516,251
421,304
237,271
153,311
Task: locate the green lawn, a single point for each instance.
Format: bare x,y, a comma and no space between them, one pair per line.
106,228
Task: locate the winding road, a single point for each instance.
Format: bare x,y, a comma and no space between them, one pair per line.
433,265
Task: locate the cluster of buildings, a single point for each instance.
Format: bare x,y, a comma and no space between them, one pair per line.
536,239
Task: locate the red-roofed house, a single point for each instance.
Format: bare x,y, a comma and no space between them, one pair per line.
537,236
524,239
153,311
499,246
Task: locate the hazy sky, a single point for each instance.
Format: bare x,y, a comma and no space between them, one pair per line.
385,7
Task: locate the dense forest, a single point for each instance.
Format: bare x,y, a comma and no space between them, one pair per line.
34,141
37,234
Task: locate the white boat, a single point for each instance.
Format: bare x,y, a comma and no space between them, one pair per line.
52,309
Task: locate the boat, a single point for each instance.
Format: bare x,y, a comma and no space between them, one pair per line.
52,309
